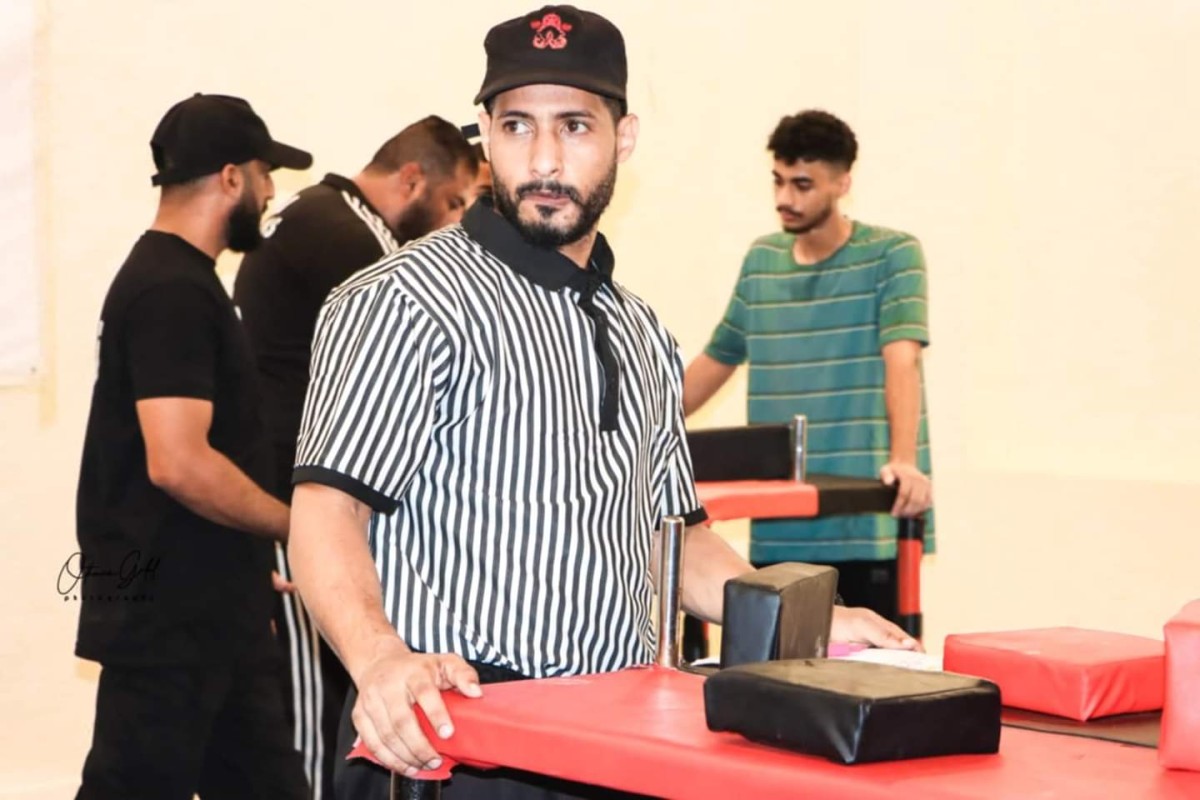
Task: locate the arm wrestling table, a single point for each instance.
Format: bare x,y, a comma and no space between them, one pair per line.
643,730
759,472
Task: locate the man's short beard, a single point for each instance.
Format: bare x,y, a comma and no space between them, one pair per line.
542,232
416,220
242,230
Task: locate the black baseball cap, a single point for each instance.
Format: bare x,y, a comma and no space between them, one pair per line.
555,44
200,135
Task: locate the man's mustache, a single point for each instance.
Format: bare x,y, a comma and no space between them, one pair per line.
551,188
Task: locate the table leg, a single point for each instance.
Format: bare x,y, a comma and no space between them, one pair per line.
695,639
404,789
910,547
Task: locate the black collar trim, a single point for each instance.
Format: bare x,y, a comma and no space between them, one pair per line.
547,268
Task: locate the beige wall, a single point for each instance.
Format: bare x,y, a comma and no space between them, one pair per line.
1045,153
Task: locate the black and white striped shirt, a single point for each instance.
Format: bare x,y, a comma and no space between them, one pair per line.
516,424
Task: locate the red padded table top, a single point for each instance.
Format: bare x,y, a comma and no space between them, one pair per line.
643,730
1068,672
724,500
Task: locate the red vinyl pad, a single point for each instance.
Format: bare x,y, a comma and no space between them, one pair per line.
757,499
1069,672
1179,745
643,730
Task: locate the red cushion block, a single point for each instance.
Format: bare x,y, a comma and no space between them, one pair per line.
1179,745
1069,672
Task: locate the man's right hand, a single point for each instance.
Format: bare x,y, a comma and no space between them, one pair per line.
388,690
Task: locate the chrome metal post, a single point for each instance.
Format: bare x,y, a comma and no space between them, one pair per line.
670,564
799,447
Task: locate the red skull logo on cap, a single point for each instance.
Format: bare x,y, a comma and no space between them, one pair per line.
551,32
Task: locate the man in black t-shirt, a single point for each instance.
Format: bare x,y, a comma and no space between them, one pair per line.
175,531
418,181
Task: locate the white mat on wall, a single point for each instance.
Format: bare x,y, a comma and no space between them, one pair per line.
19,281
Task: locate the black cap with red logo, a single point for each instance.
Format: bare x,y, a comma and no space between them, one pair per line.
560,45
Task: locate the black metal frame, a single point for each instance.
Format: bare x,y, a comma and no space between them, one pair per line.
767,452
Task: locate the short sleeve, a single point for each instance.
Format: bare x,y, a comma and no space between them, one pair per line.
903,302
170,342
728,342
372,398
678,489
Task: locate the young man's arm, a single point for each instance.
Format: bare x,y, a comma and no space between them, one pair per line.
710,370
703,378
903,332
902,396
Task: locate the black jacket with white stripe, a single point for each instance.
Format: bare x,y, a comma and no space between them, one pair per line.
316,240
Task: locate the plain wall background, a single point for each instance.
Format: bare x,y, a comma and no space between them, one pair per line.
1044,153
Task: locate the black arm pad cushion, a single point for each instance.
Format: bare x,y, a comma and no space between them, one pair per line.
855,712
778,612
747,453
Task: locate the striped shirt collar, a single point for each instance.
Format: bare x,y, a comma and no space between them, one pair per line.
547,268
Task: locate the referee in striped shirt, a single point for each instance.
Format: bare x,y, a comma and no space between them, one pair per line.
494,429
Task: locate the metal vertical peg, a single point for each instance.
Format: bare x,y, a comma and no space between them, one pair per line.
799,447
670,564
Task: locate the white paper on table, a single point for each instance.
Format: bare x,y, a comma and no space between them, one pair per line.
909,659
896,658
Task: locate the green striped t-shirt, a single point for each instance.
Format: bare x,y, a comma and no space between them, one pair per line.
812,335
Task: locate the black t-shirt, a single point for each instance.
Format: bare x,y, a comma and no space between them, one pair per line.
162,584
320,238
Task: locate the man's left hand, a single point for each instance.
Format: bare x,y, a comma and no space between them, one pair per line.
915,493
864,626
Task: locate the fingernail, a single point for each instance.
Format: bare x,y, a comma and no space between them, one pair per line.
434,764
411,771
446,731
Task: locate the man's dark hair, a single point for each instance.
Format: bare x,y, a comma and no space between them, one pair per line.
434,143
616,108
814,136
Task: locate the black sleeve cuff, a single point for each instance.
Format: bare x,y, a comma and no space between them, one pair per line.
690,518
352,486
